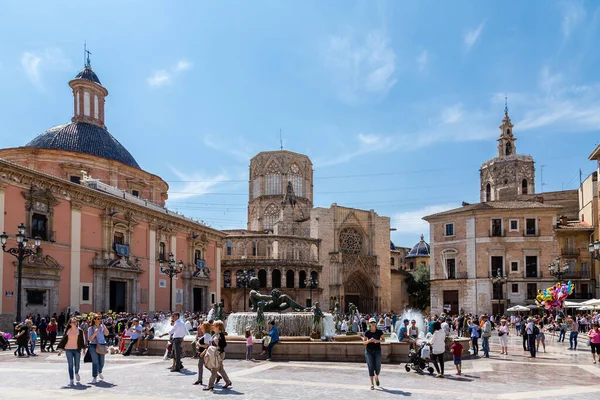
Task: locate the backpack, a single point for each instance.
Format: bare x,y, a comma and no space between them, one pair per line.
536,330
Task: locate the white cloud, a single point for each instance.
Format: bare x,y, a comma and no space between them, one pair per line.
162,77
236,152
194,184
34,63
423,60
412,223
367,144
573,14
362,69
159,78
470,38
549,80
452,114
182,65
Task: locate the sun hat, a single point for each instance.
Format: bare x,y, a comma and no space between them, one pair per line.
372,320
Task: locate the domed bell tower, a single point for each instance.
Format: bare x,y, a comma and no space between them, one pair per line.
88,95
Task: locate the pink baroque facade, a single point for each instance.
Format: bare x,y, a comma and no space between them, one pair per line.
102,222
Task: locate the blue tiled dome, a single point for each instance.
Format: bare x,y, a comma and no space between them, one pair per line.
85,138
421,249
88,75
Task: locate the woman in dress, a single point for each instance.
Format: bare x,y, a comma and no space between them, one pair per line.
52,330
438,348
372,339
202,343
97,336
503,331
540,338
217,348
594,336
73,344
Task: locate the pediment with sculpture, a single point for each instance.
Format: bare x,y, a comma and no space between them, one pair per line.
40,266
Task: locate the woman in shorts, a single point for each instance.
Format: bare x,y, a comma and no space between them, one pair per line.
540,337
594,336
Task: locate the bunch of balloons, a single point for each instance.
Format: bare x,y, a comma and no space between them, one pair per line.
554,297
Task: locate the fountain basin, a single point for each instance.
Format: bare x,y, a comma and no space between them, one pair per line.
305,349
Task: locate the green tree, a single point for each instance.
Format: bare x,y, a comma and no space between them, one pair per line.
418,288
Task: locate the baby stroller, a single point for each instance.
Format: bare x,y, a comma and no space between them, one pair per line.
418,361
4,343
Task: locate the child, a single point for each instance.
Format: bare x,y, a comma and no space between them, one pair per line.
249,345
32,339
457,350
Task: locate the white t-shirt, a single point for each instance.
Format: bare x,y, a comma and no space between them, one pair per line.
136,331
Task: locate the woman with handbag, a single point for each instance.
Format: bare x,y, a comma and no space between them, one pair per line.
216,355
438,348
202,343
503,331
97,346
73,344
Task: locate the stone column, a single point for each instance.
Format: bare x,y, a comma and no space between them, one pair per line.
152,270
173,250
269,277
75,264
284,278
2,187
218,278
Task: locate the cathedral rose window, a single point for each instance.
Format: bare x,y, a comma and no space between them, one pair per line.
351,241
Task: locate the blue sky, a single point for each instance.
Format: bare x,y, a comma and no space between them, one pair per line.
408,95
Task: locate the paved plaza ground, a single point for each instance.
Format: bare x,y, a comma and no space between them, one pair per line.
557,374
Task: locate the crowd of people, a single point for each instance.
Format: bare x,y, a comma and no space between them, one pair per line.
96,334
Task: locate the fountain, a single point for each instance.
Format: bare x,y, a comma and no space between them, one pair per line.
411,314
164,326
288,324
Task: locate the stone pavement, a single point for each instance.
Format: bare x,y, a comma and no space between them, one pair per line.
557,374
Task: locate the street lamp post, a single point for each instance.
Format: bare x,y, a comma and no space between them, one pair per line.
595,250
556,270
172,269
499,279
20,252
312,283
243,279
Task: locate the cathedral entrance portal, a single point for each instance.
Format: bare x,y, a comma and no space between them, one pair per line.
360,291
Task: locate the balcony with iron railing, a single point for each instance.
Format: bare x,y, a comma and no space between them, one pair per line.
569,252
578,274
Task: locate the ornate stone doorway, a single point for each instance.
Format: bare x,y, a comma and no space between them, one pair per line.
359,289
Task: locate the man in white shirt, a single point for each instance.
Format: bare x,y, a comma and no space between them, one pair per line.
177,332
446,327
530,329
387,323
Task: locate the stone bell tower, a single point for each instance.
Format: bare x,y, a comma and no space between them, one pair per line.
509,175
274,175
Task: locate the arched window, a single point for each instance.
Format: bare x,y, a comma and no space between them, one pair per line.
289,279
315,276
228,248
488,192
273,180
302,280
276,278
508,149
524,186
227,279
86,104
262,278
351,241
96,106
295,178
271,216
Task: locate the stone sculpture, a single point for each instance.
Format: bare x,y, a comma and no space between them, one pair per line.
276,301
317,318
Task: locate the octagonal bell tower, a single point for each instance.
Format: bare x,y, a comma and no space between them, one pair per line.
270,173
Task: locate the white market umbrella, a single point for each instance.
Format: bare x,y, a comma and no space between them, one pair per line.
592,302
532,307
518,308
